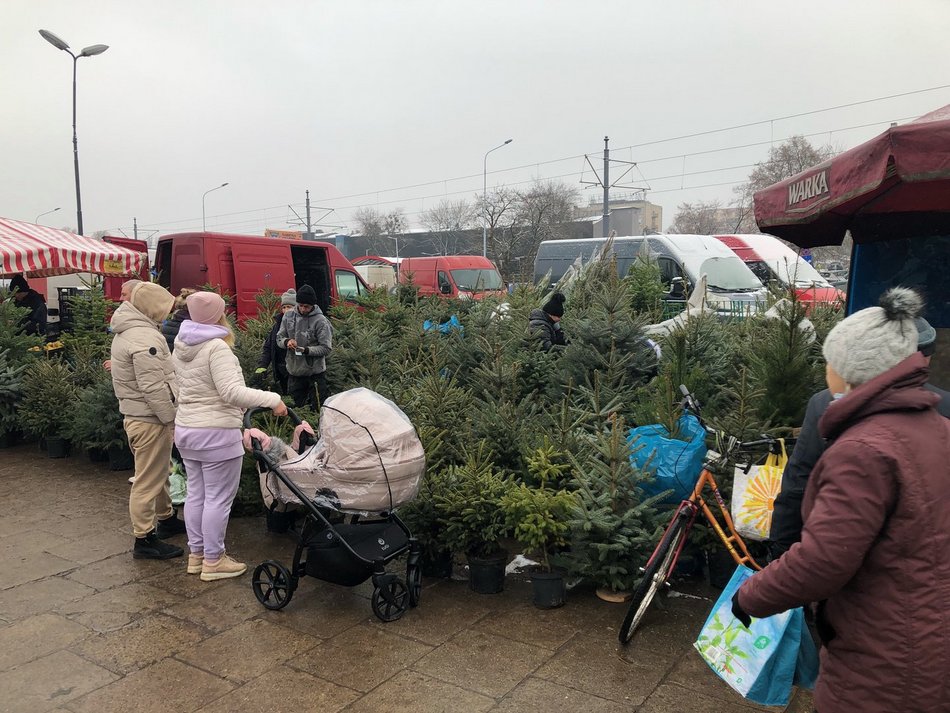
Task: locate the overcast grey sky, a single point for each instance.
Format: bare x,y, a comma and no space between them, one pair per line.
353,99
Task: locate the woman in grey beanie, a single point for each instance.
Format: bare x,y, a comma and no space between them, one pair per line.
875,546
271,353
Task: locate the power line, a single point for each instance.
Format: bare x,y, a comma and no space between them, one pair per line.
580,156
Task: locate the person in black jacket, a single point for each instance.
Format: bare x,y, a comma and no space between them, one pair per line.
171,325
786,527
271,353
544,323
34,322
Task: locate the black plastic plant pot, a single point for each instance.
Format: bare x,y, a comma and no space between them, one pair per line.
436,564
57,447
486,575
550,592
120,458
97,455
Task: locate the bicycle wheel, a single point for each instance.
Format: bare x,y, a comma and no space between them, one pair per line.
655,574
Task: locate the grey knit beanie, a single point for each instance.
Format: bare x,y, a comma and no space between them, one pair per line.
876,339
289,297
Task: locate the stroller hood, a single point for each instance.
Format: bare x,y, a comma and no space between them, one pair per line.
368,457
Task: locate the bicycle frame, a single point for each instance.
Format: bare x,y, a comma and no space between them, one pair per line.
695,504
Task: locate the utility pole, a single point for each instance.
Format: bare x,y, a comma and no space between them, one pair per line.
606,220
309,231
135,228
606,184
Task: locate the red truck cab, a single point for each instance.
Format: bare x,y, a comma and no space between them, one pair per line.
453,276
244,265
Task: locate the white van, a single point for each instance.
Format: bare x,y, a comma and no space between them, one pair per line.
730,285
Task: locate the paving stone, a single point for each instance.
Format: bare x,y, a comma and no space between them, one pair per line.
177,581
361,657
115,608
248,650
484,663
283,689
441,614
320,610
548,628
169,685
413,691
36,597
30,542
50,682
22,568
214,612
37,636
119,570
672,698
535,694
92,548
595,666
141,643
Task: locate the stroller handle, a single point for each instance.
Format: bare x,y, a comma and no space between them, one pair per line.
252,412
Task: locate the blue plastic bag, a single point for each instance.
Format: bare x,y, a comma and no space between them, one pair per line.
763,662
675,463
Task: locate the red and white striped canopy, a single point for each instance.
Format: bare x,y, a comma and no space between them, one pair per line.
39,251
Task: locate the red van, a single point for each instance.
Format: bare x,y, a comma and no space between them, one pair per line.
459,276
243,265
773,261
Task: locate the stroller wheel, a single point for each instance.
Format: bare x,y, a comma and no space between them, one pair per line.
414,582
272,585
390,600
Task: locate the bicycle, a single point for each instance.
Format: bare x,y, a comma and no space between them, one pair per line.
657,570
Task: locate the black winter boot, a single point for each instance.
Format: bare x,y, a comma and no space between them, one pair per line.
152,548
169,527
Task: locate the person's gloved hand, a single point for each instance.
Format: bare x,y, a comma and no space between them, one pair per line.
739,613
304,427
261,370
250,433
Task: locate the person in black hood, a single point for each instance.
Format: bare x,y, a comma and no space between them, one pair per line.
35,321
271,353
544,323
179,314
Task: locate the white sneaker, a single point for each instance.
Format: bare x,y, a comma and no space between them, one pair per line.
132,479
224,568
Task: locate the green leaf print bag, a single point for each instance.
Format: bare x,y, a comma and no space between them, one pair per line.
763,662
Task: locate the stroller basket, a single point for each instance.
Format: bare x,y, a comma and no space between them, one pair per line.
329,560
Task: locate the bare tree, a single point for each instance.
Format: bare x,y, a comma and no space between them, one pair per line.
703,218
542,212
380,229
785,160
494,208
446,222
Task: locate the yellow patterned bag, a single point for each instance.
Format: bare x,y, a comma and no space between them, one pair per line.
754,493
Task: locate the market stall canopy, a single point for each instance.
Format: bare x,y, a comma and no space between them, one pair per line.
39,251
899,180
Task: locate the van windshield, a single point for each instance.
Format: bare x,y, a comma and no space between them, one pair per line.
793,272
729,274
477,280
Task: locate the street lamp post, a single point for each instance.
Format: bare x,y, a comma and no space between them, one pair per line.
485,198
87,52
37,220
204,226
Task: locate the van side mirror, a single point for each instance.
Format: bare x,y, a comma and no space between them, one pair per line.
677,287
445,288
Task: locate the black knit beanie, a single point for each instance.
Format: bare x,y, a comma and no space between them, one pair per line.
19,284
555,305
306,296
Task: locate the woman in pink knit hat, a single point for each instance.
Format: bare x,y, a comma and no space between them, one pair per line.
211,402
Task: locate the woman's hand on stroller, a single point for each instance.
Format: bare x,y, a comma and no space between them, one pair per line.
262,437
280,409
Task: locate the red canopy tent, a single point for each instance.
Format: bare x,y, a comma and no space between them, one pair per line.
38,251
898,181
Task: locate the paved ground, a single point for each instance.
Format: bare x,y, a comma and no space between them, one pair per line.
85,628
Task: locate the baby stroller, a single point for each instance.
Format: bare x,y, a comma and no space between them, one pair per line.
367,461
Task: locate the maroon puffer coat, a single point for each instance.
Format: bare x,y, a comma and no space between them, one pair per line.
876,546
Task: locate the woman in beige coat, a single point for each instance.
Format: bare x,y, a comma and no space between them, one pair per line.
211,404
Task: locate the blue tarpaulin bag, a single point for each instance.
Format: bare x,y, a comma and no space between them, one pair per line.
763,662
675,463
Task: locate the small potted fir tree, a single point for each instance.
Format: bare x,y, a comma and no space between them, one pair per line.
97,425
49,391
474,521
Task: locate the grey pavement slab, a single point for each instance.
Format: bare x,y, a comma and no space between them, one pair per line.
85,628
